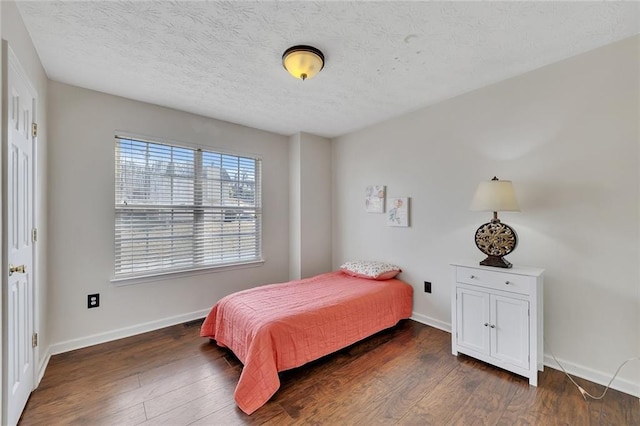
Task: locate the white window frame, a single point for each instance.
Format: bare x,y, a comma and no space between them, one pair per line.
208,220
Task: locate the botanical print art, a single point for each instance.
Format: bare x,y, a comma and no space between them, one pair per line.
374,199
398,214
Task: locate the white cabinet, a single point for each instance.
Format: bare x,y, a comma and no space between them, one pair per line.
497,316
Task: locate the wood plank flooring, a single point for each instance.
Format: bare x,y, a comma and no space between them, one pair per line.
405,375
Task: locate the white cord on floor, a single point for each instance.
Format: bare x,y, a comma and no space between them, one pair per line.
584,393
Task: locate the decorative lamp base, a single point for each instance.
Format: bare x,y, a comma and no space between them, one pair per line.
496,261
496,240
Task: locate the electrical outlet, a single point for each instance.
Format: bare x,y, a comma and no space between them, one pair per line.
427,287
93,300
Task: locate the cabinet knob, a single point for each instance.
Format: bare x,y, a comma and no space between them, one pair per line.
486,324
507,282
472,276
492,326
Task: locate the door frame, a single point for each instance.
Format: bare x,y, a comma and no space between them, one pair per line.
9,58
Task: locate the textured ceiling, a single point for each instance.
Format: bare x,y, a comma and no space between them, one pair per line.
383,59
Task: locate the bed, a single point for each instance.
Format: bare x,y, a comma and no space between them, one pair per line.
277,327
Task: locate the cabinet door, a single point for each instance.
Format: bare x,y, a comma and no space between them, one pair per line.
510,330
472,315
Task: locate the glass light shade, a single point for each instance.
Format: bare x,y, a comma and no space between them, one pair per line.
495,196
303,62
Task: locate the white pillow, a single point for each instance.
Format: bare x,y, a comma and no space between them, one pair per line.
370,269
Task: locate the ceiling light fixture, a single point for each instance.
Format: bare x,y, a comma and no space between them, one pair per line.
303,62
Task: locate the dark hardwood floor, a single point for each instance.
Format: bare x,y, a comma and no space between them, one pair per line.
404,375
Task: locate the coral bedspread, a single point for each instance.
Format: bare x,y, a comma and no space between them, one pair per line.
281,326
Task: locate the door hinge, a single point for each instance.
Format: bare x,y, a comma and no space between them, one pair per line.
34,235
34,340
34,130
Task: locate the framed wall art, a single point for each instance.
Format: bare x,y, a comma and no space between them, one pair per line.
398,214
374,198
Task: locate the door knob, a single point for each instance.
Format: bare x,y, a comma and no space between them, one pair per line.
22,269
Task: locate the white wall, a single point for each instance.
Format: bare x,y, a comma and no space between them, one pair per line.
2,409
14,31
295,266
81,243
567,136
315,204
310,205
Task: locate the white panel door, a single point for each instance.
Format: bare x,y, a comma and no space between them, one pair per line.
510,335
19,294
472,319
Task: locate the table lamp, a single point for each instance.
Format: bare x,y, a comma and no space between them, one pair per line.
494,238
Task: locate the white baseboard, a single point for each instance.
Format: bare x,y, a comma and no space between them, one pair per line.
444,326
120,333
622,385
599,377
44,362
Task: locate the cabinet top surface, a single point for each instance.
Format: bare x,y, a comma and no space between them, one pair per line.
516,269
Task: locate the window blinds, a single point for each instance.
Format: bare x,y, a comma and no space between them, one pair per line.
180,208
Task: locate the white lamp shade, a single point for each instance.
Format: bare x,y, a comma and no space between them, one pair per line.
495,196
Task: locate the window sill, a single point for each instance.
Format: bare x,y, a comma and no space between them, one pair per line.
139,279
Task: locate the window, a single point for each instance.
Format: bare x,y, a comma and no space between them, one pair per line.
180,208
